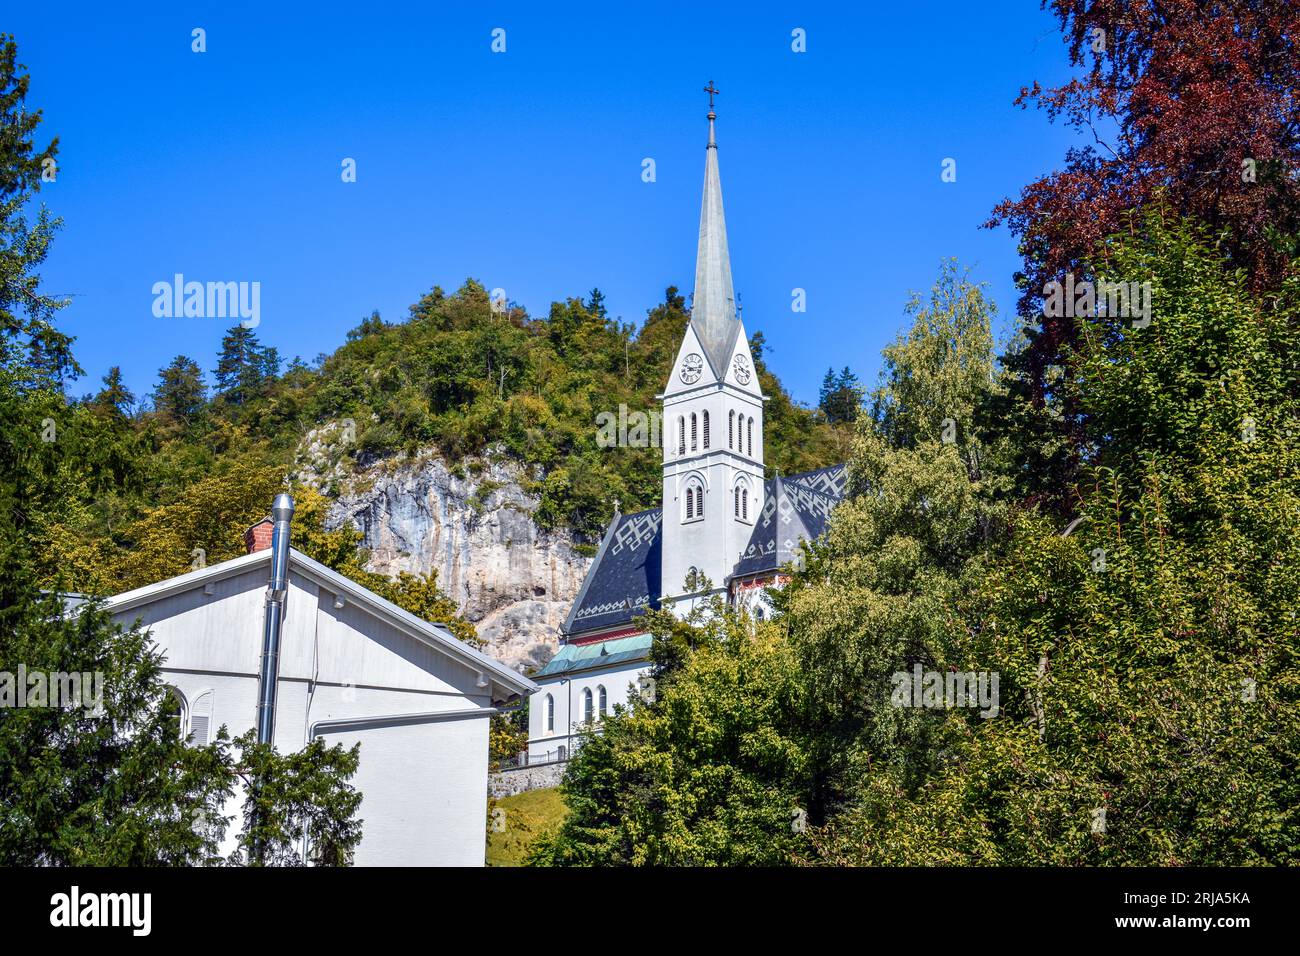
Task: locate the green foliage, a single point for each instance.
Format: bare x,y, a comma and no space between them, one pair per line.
181,395
527,816
1148,683
117,786
116,790
508,735
1147,659
712,773
297,797
840,398
244,366
26,314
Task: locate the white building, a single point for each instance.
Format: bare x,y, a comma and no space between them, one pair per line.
723,528
352,667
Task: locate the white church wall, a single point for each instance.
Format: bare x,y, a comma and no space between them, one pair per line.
620,683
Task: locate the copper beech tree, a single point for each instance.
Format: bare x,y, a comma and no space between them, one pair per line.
1189,103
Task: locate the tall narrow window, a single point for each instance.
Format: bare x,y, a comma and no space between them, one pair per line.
681,435
693,433
602,699
731,428
586,706
744,504
737,501
690,502
550,714
749,427
706,430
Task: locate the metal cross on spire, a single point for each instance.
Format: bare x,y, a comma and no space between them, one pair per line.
712,91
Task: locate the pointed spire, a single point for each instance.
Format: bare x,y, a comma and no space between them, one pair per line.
713,307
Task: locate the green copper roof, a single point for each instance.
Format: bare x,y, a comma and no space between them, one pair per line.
581,657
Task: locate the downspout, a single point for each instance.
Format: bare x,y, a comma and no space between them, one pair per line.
268,677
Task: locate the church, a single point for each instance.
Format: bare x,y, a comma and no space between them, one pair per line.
722,528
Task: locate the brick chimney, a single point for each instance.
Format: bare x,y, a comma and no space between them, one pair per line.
258,537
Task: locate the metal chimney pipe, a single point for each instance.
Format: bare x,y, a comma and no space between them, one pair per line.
269,676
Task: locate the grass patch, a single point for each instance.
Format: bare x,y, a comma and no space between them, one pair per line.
527,816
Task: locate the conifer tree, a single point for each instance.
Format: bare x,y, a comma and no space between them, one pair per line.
180,394
241,367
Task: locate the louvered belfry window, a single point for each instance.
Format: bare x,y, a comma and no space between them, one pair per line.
694,444
706,430
731,429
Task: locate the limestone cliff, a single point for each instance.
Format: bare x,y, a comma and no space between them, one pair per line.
472,525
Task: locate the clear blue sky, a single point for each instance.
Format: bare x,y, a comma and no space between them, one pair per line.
523,169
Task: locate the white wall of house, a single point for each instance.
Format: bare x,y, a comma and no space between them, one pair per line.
566,691
348,675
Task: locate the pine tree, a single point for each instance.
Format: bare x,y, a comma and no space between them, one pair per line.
106,781
240,370
180,394
114,398
827,391
26,313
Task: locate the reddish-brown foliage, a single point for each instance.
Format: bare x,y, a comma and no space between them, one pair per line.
1182,93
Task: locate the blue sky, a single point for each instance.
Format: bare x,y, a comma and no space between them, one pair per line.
523,169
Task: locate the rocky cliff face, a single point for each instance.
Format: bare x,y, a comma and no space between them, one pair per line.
474,528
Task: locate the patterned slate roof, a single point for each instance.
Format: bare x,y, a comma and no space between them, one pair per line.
624,579
795,508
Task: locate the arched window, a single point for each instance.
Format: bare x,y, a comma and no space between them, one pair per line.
681,435
694,444
550,714
586,706
694,500
741,504
749,427
199,718
706,430
602,699
176,713
731,428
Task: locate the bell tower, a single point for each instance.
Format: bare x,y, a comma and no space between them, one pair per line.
712,422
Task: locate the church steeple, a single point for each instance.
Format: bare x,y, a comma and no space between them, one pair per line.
713,489
713,308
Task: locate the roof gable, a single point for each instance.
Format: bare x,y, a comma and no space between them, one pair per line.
509,681
623,580
796,508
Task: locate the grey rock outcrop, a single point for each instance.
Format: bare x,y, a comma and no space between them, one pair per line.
473,526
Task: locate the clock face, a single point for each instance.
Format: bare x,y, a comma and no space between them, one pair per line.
692,366
740,366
